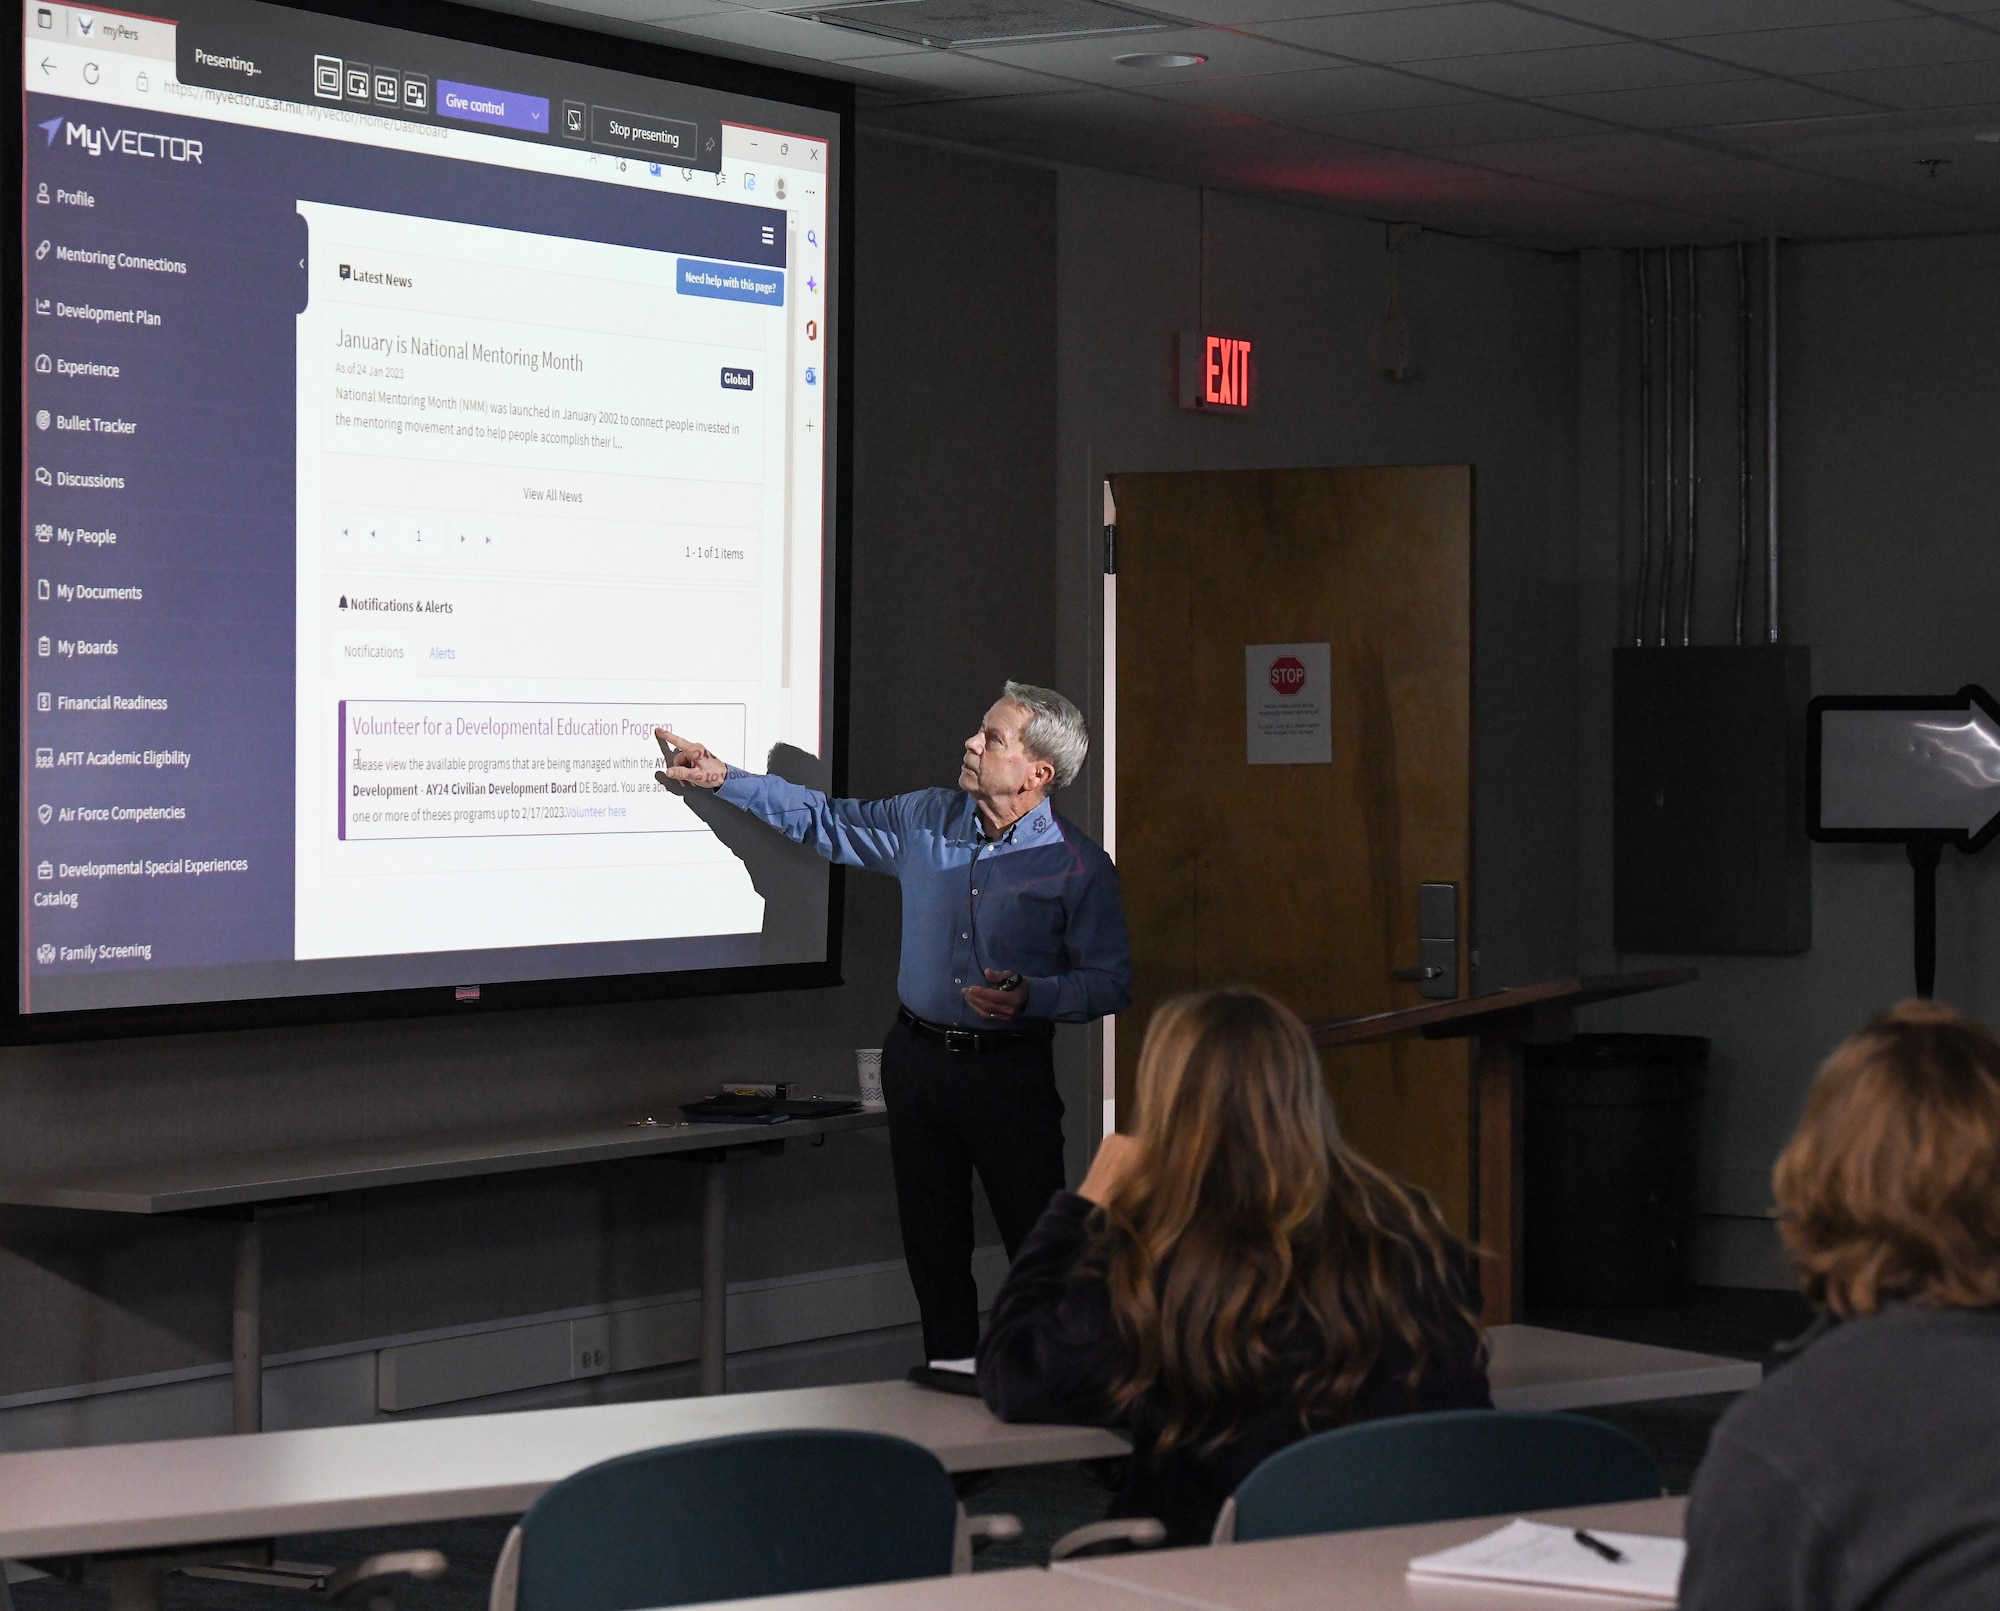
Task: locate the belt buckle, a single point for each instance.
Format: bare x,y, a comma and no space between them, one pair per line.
961,1040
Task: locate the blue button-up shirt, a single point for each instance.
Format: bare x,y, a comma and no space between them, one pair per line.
1040,901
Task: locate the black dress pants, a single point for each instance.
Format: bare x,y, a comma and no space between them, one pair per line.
949,1114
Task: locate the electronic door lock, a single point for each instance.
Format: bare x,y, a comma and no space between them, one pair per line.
1436,972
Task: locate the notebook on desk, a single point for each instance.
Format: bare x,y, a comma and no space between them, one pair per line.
947,1376
1534,1555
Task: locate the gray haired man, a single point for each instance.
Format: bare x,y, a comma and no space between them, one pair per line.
1011,925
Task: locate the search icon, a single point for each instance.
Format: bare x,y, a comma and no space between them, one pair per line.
812,237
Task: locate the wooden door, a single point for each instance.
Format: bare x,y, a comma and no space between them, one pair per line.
1302,878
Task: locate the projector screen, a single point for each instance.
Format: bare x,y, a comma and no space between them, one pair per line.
409,426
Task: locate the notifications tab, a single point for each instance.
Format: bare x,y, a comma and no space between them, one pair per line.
473,103
658,139
732,282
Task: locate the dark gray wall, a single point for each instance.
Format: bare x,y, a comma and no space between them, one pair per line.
953,590
1890,365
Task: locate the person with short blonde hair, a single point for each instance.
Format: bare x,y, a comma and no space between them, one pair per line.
1232,1277
1867,1472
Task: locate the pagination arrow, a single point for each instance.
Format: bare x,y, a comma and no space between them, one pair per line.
1903,769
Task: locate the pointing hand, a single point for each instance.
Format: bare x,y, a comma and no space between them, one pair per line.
688,762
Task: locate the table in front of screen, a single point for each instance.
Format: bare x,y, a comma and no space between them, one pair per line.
249,1185
1358,1571
174,1502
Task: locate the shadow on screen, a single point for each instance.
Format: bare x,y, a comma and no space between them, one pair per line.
790,877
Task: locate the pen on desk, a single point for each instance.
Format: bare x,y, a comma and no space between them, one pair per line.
1588,1541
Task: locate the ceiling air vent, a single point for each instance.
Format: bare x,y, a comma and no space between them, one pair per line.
943,24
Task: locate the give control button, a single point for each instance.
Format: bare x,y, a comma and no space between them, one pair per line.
738,380
658,139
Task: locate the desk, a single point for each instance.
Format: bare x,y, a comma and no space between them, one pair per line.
1367,1568
190,1492
1534,1368
1500,1025
1362,1571
197,1491
245,1186
1027,1588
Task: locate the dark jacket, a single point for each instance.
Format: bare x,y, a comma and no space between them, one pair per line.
1865,1473
1053,1352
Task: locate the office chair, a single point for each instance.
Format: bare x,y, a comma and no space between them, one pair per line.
727,1518
1435,1467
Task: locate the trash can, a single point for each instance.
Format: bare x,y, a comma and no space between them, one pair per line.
1609,1155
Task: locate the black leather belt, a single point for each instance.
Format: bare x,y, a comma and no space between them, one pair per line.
964,1040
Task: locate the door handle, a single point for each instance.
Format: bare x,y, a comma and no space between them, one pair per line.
1436,972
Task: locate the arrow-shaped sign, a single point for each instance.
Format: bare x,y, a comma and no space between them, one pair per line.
1903,769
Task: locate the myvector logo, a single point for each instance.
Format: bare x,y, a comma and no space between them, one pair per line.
97,139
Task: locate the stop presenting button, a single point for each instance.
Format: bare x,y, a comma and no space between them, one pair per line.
658,139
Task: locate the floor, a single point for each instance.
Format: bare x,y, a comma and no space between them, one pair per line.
1050,1500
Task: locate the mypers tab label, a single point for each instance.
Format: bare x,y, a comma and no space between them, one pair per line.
97,139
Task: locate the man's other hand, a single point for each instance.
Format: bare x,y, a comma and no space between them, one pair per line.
999,1005
688,762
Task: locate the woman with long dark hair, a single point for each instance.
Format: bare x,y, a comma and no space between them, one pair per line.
1232,1277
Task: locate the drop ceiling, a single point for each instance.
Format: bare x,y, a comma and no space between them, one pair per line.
1549,123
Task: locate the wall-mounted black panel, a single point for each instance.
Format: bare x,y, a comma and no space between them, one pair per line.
1710,852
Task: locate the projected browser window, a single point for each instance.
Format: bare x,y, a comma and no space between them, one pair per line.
412,428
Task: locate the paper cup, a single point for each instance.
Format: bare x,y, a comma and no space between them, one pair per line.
868,1065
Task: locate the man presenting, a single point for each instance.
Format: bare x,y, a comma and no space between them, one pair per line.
1011,925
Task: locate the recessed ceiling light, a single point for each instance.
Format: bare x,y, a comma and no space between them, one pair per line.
1158,58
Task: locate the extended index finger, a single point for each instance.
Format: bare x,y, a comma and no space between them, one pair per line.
671,742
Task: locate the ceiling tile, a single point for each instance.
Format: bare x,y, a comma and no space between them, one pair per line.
1230,13
1092,60
585,13
780,35
1872,131
1551,216
1432,128
932,73
1680,19
1845,47
1322,92
1538,74
1330,170
1094,111
1578,157
1690,106
1966,176
1427,32
1947,84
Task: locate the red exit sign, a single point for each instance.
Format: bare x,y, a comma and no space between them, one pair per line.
1218,372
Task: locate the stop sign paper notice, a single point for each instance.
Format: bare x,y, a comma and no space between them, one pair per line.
1287,717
